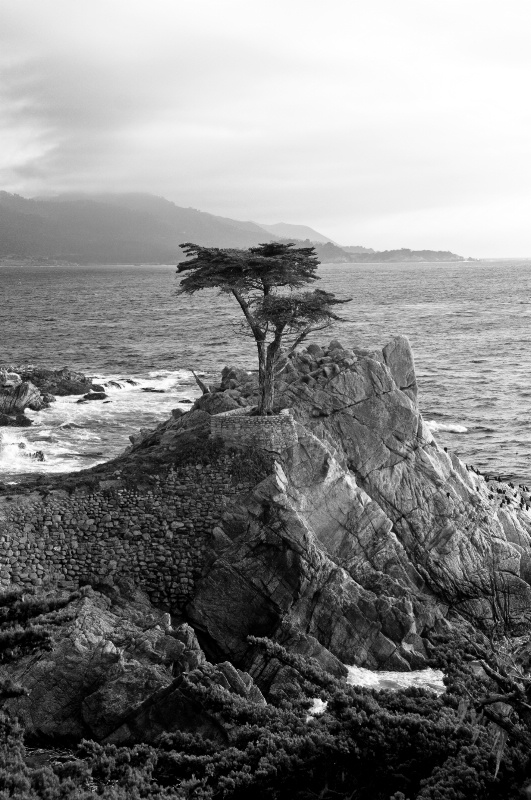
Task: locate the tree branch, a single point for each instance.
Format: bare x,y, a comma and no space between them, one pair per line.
258,333
204,388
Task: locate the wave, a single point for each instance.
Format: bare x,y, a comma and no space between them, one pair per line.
423,678
444,426
430,679
72,435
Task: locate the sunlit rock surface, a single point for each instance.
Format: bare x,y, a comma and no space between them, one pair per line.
368,533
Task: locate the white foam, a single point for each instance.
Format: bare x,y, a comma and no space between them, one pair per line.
429,678
16,451
74,435
443,426
162,379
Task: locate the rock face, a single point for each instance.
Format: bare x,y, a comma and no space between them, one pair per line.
116,673
316,565
15,396
367,534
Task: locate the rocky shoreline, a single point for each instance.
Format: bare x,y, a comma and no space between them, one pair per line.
27,386
354,540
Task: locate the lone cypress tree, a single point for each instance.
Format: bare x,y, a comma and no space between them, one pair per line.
264,280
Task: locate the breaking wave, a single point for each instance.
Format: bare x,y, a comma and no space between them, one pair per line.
443,426
71,435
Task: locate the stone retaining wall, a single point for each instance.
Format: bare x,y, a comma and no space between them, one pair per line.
156,537
237,428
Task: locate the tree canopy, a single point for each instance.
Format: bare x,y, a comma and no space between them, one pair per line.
264,281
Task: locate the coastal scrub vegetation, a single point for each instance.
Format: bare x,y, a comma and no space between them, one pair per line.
470,743
264,281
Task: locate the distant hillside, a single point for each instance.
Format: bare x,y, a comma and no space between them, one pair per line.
356,249
405,255
334,254
112,228
144,229
327,253
286,231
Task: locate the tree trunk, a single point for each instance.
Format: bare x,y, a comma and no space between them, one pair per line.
267,383
267,391
262,358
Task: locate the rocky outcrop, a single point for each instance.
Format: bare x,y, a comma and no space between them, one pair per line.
57,382
441,512
351,542
369,534
314,563
15,396
118,671
34,388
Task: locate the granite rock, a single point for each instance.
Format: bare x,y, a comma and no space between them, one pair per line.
111,675
58,382
368,533
15,398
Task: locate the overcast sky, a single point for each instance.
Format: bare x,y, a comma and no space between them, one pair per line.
385,123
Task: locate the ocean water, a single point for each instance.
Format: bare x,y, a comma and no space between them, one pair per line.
468,322
430,679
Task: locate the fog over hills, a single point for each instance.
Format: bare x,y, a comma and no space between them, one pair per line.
287,231
141,228
112,228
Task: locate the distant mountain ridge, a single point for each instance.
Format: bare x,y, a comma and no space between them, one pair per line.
140,228
334,254
284,230
112,228
405,255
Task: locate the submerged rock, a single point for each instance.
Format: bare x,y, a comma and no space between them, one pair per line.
94,396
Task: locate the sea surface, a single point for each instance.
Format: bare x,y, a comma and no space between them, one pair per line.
468,323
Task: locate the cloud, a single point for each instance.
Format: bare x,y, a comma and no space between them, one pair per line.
351,117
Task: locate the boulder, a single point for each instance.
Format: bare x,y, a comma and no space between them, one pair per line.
14,399
18,421
232,377
9,378
94,396
315,351
399,358
216,403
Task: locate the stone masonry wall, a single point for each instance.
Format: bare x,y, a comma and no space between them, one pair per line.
156,537
236,427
